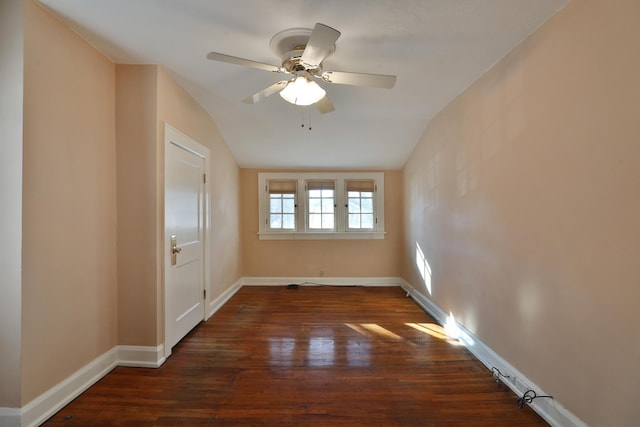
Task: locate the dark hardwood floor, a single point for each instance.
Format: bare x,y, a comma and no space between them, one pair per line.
312,356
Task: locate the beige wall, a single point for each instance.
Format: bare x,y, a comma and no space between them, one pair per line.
524,195
137,150
11,87
147,97
336,258
69,204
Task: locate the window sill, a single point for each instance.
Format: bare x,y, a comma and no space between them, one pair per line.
354,235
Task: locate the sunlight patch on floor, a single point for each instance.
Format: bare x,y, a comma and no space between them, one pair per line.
435,331
373,330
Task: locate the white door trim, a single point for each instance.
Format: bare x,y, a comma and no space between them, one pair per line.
175,137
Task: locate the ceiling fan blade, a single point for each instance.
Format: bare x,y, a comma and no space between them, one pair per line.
264,93
320,45
215,56
359,79
325,105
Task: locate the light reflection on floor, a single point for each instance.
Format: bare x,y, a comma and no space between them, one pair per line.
282,351
358,353
322,348
321,351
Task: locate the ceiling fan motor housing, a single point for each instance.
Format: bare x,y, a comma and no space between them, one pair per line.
292,62
290,44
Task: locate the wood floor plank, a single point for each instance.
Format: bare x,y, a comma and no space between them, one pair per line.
312,356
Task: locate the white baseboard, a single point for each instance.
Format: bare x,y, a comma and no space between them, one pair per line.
549,409
54,399
10,417
141,356
221,300
323,281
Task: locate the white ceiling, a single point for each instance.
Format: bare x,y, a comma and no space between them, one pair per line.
436,48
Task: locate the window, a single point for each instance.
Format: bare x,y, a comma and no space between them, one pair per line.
360,213
282,205
321,205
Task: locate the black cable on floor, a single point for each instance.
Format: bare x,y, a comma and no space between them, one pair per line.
497,375
529,397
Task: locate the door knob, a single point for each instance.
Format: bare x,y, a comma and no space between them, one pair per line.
175,250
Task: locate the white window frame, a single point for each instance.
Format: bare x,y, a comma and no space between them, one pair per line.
346,210
268,212
308,213
302,230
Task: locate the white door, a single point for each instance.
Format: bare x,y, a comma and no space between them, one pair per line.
184,235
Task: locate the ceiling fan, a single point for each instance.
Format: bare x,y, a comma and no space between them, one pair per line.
302,52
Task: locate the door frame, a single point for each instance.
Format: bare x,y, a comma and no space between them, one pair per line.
179,139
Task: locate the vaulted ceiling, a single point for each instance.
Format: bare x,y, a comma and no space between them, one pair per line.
436,48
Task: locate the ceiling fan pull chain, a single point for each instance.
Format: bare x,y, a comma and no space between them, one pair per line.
302,116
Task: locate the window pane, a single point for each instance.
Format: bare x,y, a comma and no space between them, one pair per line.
354,221
327,193
315,206
315,193
289,222
280,203
367,205
354,205
367,221
275,221
315,221
276,205
327,221
288,206
327,205
368,194
353,194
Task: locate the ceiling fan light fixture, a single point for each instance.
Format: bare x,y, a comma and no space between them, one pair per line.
302,91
